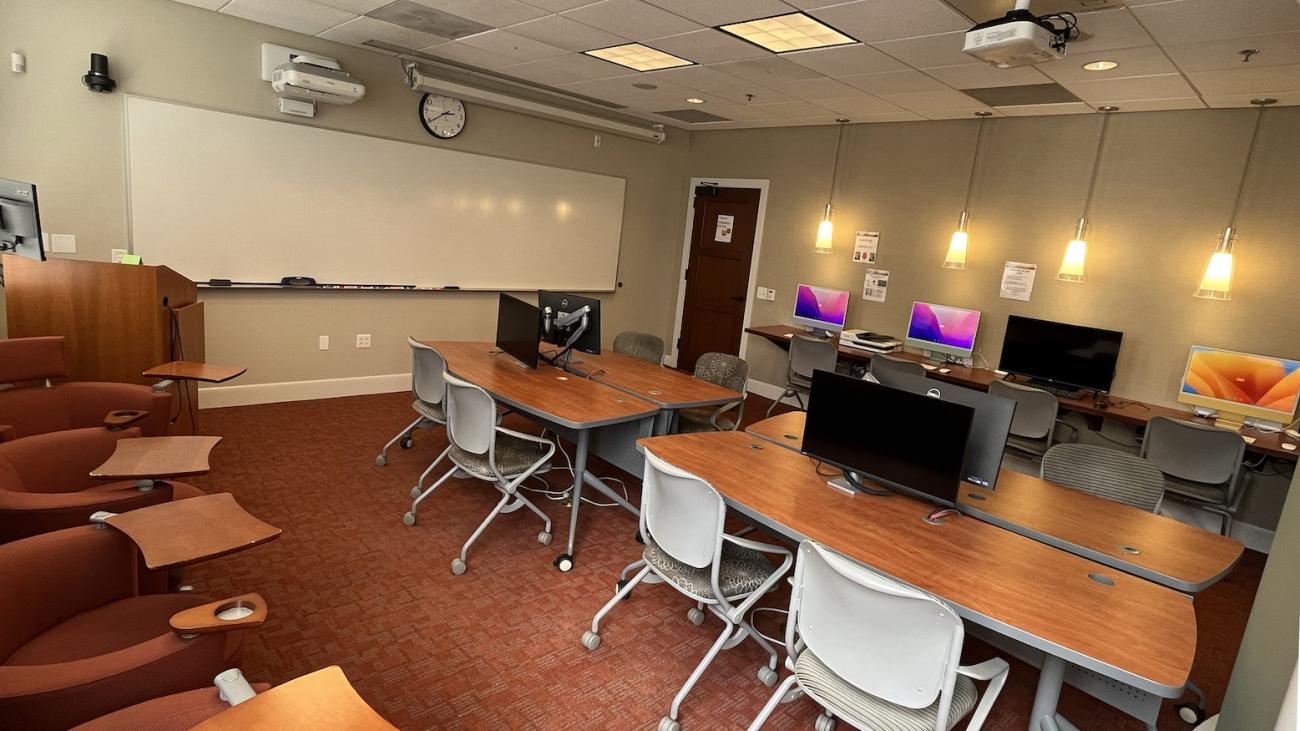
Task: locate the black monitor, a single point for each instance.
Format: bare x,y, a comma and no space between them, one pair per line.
989,427
1058,353
903,441
518,329
557,305
20,220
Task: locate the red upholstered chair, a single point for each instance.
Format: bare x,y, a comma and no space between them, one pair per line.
42,406
77,639
176,712
45,482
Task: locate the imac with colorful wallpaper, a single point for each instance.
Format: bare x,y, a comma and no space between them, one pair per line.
944,333
821,309
1260,390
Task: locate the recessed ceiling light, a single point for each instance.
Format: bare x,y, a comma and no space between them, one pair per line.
638,57
783,33
694,100
1100,66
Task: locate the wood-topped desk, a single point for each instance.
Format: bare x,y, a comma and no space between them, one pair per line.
1075,611
192,530
667,388
1144,544
320,700
1128,411
568,403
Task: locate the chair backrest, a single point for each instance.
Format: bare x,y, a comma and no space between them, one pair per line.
1195,452
883,637
808,354
683,513
645,346
32,359
728,371
1108,473
1036,409
471,416
428,369
883,367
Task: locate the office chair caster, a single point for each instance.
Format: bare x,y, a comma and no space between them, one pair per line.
767,676
381,460
695,616
458,566
667,724
408,519
407,442
824,723
564,562
544,538
1191,713
590,640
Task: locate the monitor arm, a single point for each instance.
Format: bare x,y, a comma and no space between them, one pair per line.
578,321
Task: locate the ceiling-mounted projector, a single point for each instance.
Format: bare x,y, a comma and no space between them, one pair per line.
1021,38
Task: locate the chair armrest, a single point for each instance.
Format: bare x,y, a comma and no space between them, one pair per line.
61,461
25,514
87,402
994,670
724,409
119,418
241,612
986,670
529,437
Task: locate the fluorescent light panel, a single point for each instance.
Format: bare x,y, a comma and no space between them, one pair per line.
638,57
784,33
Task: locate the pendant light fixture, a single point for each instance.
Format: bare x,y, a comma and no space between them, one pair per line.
956,258
1216,283
1076,252
825,229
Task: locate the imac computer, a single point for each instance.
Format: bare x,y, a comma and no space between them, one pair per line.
821,309
519,327
896,439
20,220
944,333
571,322
1258,390
1059,357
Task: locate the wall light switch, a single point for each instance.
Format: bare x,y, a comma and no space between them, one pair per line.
595,142
761,293
117,255
363,340
324,342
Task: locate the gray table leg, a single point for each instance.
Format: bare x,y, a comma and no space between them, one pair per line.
565,560
1050,679
663,422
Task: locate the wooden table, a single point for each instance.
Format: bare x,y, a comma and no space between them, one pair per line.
1077,613
191,530
320,700
567,403
1135,541
146,458
1128,411
184,370
667,388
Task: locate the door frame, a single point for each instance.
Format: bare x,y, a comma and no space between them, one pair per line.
751,183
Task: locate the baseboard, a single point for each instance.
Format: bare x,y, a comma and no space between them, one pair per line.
1253,537
269,393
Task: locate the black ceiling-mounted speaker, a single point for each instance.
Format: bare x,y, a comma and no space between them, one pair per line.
97,79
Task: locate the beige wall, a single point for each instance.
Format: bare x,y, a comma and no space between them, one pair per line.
70,142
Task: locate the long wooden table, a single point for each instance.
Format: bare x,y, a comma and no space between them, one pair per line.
1075,612
669,389
1125,410
1144,544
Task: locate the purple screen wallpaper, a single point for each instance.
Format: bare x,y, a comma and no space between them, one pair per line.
947,325
818,303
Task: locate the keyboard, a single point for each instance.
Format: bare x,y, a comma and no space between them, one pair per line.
1059,391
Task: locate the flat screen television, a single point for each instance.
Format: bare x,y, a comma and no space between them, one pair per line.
942,329
519,329
1059,353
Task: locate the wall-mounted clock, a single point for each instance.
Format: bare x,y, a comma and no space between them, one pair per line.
442,116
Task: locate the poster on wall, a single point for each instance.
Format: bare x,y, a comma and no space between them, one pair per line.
726,224
1018,280
875,284
865,246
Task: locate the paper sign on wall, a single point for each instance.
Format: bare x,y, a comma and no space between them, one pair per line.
874,286
865,245
722,234
1018,280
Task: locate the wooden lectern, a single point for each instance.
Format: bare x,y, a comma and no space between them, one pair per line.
119,320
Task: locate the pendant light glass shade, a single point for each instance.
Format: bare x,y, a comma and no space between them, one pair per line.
956,258
826,229
1076,255
1216,283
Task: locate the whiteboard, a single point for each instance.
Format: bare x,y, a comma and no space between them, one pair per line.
216,195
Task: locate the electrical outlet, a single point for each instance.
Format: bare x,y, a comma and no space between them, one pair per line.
761,293
324,342
117,255
771,294
363,340
596,141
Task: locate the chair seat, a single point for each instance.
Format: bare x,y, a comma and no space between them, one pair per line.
868,711
112,627
690,421
742,572
1197,491
432,412
514,456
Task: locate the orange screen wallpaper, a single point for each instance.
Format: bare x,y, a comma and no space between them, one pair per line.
1270,383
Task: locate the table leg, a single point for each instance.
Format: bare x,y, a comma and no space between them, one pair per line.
663,422
1050,679
564,561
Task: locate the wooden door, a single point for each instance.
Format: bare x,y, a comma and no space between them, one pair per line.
717,273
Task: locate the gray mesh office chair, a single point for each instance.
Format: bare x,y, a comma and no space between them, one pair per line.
883,367
682,519
1033,428
1202,464
427,386
1108,473
485,451
645,346
724,370
807,354
878,653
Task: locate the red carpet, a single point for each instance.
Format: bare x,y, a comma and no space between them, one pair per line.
498,648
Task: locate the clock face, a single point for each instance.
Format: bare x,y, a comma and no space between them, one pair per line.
442,116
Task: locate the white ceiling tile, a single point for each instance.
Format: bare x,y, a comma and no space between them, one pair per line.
1164,86
925,102
515,46
819,88
814,4
301,16
894,82
900,116
695,77
470,55
745,92
708,46
1107,29
1275,49
767,71
983,76
541,72
1154,105
1044,110
959,113
562,32
359,30
882,20
622,91
860,105
205,4
718,12
632,19
496,13
943,49
826,120
720,106
585,67
1193,21
559,6
788,110
845,60
1145,61
1247,80
1284,99
360,7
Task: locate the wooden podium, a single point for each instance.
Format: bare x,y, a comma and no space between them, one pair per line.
119,320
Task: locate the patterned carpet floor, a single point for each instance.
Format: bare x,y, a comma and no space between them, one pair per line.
498,648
